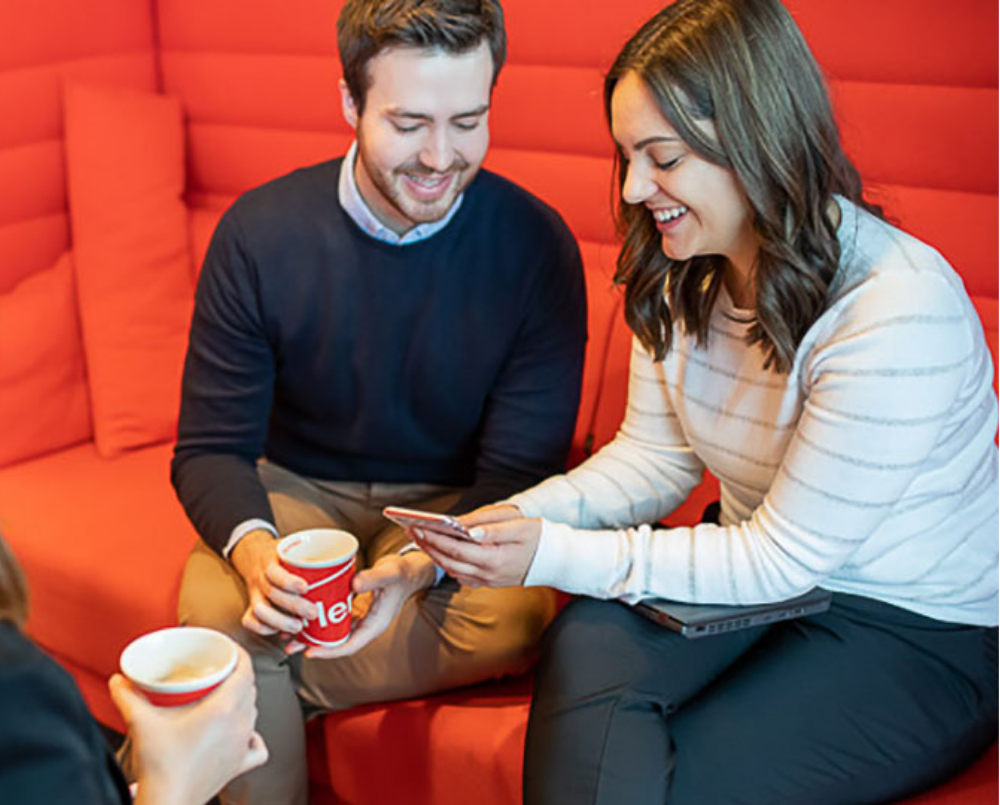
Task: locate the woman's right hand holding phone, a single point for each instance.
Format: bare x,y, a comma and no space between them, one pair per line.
500,555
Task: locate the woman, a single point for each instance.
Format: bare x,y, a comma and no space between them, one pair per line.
51,750
831,372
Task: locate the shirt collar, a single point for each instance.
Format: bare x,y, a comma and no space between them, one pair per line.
354,205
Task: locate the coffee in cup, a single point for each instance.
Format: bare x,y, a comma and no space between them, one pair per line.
178,665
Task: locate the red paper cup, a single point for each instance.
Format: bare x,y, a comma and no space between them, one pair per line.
178,665
325,558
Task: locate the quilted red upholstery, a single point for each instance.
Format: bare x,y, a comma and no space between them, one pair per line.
915,87
44,42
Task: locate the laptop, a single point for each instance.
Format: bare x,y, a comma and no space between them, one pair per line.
702,620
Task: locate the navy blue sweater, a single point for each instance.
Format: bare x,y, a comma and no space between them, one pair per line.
455,360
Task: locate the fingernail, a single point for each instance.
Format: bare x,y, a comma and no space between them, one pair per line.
477,532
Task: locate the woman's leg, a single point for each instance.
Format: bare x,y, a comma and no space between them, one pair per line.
607,682
863,704
867,703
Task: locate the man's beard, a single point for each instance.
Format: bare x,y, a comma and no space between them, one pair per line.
414,210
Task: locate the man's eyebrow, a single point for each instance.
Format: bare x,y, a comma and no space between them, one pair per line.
479,110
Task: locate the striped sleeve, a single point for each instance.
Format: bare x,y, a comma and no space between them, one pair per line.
877,396
641,476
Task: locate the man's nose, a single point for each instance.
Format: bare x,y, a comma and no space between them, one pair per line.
438,154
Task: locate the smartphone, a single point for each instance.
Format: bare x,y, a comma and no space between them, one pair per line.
441,523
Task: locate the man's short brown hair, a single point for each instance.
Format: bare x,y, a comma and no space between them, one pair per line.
368,27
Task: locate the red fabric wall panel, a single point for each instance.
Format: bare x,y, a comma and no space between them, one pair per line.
903,41
962,226
579,33
251,89
33,181
41,44
545,108
249,26
46,31
229,159
578,186
927,136
31,245
603,310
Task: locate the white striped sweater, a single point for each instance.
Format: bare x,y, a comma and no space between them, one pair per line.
869,468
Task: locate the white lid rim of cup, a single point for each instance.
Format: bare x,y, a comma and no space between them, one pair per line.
324,643
288,542
127,660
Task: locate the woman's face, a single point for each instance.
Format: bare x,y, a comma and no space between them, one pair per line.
698,207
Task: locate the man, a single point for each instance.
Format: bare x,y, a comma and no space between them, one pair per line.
396,327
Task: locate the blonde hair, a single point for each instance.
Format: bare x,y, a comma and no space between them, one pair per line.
13,590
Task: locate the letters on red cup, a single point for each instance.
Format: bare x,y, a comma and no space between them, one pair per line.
325,558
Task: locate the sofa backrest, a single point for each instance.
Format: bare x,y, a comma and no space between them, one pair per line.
915,87
41,44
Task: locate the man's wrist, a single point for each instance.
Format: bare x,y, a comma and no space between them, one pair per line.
242,556
420,568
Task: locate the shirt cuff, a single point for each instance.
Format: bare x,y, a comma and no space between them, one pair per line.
242,530
574,561
438,572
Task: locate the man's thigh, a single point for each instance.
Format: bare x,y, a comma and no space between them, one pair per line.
447,637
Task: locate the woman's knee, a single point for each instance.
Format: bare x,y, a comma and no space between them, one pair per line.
591,646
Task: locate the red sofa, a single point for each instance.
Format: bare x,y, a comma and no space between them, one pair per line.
107,200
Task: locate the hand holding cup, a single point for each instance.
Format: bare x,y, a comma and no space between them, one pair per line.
184,753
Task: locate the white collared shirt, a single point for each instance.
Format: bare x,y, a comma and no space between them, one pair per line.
355,206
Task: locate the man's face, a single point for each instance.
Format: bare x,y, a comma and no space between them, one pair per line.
423,133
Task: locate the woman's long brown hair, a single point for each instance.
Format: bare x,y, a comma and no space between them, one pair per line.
744,66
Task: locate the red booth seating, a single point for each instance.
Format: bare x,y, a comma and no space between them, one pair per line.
127,127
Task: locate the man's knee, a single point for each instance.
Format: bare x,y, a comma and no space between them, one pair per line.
212,594
495,630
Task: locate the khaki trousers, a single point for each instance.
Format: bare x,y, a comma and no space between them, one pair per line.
446,637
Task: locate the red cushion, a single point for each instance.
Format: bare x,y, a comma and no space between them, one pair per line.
125,159
43,387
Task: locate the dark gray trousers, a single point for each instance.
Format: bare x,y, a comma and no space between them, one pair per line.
866,703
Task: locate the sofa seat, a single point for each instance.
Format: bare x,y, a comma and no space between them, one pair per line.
103,543
466,746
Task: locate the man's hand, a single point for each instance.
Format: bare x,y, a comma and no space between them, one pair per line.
380,593
276,602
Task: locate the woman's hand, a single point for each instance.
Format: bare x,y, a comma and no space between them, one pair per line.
505,546
491,514
187,754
